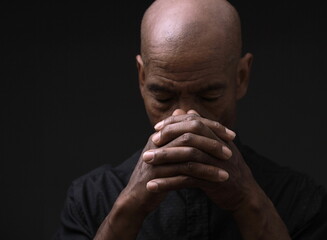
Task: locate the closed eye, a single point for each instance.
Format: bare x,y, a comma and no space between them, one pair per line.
210,98
163,100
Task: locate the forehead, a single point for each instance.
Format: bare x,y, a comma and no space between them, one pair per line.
186,82
195,70
187,54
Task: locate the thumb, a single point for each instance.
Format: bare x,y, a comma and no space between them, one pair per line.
193,112
178,112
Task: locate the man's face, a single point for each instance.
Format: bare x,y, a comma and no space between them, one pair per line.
197,81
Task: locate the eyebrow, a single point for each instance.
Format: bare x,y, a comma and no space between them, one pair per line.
158,88
212,87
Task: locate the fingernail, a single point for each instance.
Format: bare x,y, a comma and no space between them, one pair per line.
227,152
223,175
148,156
156,137
159,125
230,133
152,186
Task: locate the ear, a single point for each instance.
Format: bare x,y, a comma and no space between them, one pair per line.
243,75
141,74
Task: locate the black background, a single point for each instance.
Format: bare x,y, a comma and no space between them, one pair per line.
70,100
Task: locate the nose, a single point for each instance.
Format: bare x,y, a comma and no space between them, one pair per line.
187,104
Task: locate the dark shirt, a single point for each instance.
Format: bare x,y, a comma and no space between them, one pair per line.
188,213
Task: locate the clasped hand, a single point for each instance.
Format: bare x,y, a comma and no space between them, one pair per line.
189,151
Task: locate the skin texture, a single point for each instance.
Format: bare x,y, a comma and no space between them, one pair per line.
191,75
183,49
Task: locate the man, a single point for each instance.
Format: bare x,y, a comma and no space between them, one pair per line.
193,179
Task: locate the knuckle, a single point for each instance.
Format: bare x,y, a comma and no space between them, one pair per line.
194,115
214,145
186,138
217,125
169,120
195,154
196,125
166,129
189,166
192,152
191,117
186,168
161,154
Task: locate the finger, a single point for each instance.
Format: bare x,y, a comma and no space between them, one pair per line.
220,130
174,119
179,182
150,145
197,170
174,130
177,155
215,148
170,184
178,112
193,112
203,172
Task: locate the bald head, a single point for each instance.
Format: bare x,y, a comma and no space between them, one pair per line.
181,26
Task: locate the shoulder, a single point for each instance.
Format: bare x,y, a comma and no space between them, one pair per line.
91,197
107,177
296,196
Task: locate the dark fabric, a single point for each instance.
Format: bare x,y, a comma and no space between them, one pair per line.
188,213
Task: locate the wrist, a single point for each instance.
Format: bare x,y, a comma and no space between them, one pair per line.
129,207
257,218
123,222
253,205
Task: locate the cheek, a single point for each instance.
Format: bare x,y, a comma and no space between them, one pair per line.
228,116
228,108
156,111
223,111
228,113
